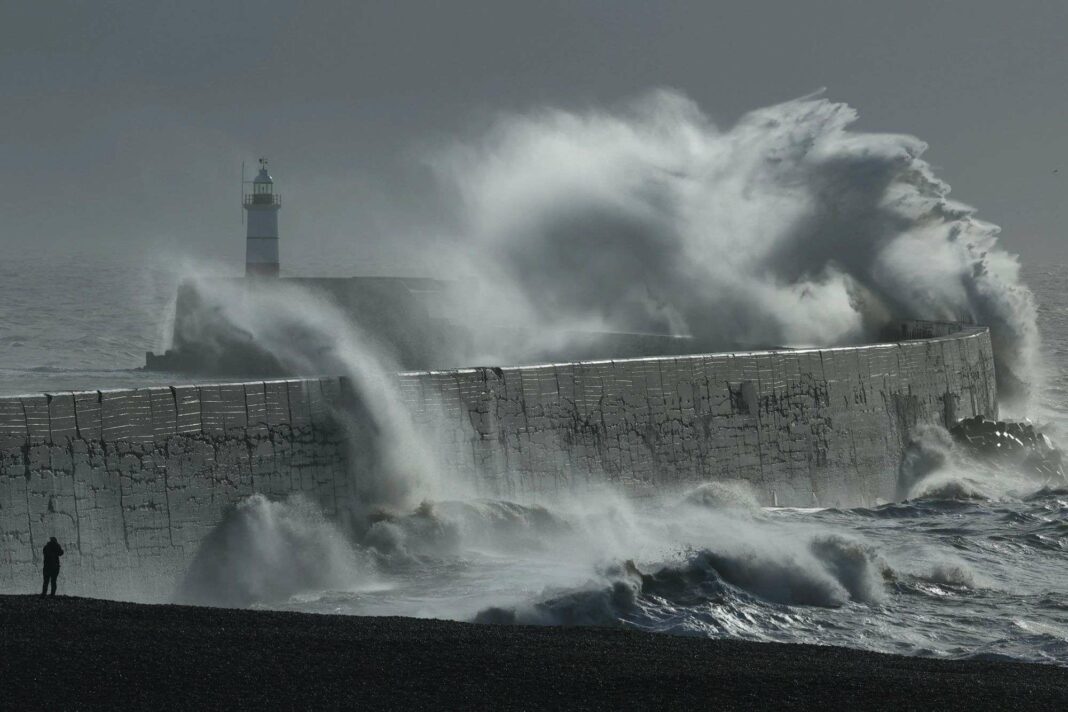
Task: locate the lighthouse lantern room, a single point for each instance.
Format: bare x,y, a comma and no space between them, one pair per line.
261,244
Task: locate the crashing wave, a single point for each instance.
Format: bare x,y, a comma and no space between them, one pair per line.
266,551
788,227
979,459
835,571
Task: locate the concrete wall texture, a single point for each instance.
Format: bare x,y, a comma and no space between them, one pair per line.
132,481
803,428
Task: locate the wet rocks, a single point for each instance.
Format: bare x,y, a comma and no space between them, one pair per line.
1011,442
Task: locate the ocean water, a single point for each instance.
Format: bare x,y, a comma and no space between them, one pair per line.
71,320
974,565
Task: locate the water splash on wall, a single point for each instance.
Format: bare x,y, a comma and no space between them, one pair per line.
266,551
391,463
786,228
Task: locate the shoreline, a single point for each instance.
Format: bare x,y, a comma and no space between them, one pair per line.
72,652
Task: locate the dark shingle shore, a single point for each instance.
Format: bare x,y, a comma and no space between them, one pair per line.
79,653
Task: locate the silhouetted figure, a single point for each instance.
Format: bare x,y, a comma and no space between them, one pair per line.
52,552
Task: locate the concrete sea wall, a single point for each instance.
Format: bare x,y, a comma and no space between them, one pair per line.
803,428
132,481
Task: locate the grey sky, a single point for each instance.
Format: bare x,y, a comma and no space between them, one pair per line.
125,123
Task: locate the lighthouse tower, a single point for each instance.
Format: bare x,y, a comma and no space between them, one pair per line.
261,245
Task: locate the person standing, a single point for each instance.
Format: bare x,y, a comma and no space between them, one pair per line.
52,552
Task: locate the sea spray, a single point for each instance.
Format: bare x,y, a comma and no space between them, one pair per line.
392,466
786,228
918,581
707,547
266,552
937,465
724,494
452,528
389,465
704,565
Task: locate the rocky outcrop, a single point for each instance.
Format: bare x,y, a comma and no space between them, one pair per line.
1011,443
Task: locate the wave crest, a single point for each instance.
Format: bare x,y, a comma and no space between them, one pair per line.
266,551
836,571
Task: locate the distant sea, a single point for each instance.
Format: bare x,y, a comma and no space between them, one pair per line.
77,321
78,318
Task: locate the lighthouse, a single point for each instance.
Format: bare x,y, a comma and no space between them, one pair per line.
261,244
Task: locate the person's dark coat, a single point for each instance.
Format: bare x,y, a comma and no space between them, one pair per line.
52,552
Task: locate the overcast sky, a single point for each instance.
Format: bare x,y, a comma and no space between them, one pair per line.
125,123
